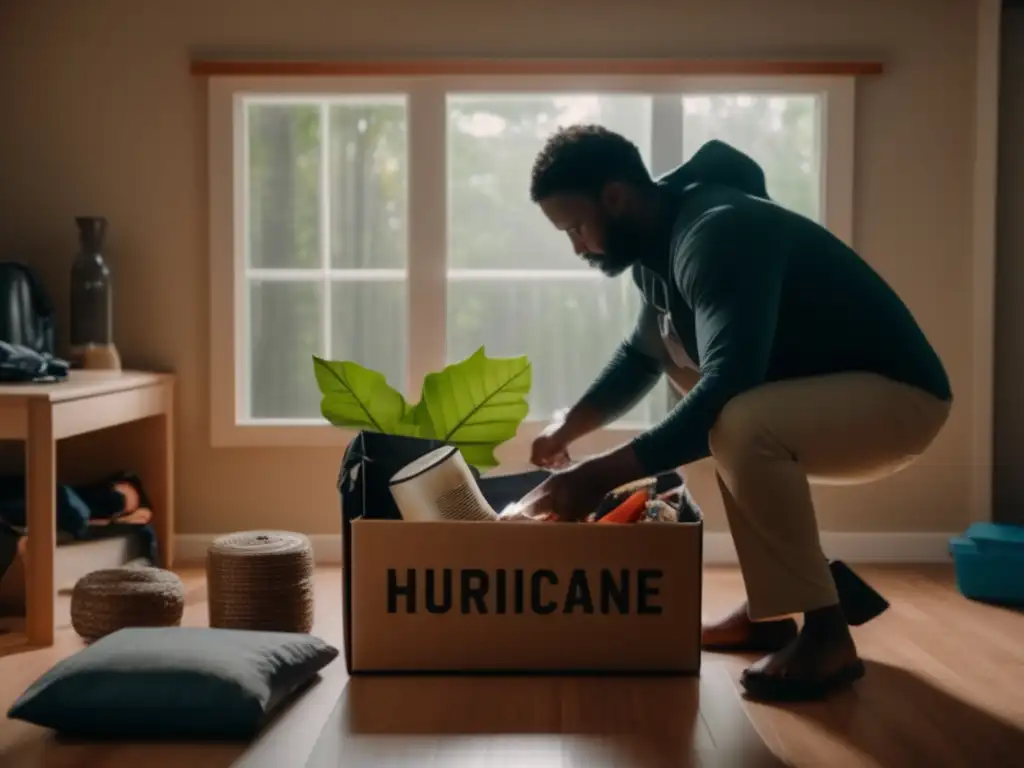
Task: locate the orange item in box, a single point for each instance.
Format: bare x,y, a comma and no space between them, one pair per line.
629,511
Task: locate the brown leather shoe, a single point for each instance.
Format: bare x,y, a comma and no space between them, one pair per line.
736,633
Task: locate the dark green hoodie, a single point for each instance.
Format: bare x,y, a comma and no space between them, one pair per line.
757,293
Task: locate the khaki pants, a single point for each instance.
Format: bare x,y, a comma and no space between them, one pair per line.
770,442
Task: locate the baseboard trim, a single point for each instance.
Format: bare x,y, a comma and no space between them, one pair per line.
892,548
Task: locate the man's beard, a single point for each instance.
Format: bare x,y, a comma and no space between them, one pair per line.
623,246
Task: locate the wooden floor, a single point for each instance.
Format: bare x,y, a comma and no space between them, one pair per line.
945,687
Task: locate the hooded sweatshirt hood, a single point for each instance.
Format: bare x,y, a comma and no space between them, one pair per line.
718,163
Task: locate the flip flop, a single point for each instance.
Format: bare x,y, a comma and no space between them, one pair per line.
767,642
773,688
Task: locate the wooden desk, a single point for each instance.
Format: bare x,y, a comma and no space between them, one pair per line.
88,401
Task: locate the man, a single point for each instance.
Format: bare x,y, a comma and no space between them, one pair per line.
798,363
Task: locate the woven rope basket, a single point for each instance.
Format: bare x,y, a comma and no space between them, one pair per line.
261,580
108,600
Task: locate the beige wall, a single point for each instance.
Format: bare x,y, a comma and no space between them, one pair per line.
100,116
1008,490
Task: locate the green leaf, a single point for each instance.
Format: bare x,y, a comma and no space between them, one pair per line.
354,396
478,404
417,422
479,455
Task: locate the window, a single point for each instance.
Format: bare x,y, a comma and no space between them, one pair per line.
388,222
325,191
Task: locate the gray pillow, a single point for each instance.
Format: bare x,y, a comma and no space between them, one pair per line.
173,683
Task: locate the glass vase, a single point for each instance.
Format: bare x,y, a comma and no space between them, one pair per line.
92,299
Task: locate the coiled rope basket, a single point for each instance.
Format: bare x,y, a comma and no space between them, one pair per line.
107,600
261,580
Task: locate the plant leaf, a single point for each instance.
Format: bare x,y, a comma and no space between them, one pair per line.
354,396
478,404
417,422
478,455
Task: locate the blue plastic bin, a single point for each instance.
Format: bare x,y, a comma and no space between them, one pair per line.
989,563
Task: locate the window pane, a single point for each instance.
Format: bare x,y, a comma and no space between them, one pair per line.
368,322
284,184
779,131
492,143
568,328
369,183
285,330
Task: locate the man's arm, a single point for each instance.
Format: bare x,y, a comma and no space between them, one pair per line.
735,299
632,372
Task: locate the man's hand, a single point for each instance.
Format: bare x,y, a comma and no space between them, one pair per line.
572,494
550,448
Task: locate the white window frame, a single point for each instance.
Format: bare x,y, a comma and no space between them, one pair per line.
427,261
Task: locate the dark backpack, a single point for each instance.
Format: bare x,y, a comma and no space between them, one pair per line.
26,312
26,328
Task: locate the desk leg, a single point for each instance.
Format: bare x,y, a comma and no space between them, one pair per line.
156,468
41,518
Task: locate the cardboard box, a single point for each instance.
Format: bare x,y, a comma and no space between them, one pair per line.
519,596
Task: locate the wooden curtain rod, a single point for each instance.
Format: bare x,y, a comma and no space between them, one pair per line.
442,67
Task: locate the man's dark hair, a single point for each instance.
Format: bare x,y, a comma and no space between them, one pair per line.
581,159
